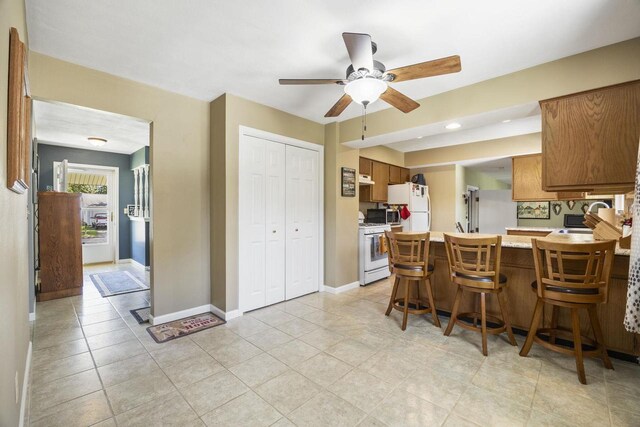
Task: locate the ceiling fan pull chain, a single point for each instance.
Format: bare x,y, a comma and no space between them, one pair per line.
362,126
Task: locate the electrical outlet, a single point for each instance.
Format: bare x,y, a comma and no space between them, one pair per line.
17,389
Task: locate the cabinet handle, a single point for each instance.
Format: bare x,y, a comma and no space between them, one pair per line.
296,229
274,231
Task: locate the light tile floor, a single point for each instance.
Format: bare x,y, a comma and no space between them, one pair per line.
319,360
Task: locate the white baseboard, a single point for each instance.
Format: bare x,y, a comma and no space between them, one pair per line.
132,262
25,384
340,289
228,315
170,317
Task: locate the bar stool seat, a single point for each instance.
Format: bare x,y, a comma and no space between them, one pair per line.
573,276
474,266
409,261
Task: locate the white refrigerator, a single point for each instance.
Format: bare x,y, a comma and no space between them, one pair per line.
416,197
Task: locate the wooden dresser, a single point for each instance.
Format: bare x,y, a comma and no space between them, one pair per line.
60,245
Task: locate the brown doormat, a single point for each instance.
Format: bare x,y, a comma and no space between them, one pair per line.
179,328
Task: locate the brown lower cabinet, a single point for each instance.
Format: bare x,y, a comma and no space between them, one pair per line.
59,232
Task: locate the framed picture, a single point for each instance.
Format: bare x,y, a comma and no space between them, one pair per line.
18,117
534,210
348,182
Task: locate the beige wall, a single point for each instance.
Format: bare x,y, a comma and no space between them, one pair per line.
442,191
14,287
224,193
491,149
218,205
341,213
596,68
461,189
179,168
483,181
383,154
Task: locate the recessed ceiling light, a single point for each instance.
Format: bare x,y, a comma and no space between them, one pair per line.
419,137
453,125
506,121
96,142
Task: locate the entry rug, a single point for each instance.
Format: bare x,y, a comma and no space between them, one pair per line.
141,314
117,282
179,328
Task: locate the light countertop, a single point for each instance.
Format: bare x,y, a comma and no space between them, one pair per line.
531,228
524,242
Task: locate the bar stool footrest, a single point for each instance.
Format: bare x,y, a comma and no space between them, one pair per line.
541,333
398,304
490,330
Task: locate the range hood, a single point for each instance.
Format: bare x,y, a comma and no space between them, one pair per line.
365,180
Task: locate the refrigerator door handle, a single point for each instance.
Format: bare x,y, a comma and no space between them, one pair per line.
428,212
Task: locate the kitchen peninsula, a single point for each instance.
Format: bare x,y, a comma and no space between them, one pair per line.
517,265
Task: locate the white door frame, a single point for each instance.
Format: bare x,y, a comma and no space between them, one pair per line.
245,131
116,199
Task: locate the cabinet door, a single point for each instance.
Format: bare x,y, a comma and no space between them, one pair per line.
381,179
365,166
590,139
301,222
527,179
395,175
405,174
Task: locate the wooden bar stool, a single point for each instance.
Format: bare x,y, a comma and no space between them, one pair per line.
574,276
409,260
474,265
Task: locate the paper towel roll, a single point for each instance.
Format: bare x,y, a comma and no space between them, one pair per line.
608,214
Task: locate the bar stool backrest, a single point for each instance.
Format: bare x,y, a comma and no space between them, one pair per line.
408,253
474,261
573,272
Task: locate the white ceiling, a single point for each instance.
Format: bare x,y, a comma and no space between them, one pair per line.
203,48
69,125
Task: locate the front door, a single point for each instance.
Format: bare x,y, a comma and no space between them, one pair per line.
98,205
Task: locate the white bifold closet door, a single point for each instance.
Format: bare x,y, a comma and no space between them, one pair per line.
302,222
262,223
278,221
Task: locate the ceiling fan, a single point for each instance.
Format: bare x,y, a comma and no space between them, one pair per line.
368,79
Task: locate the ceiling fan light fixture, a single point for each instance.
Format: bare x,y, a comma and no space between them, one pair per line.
97,142
366,90
453,125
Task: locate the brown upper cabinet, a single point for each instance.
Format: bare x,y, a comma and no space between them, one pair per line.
527,181
590,139
365,166
398,175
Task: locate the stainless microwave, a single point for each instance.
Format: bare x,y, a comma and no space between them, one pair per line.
393,216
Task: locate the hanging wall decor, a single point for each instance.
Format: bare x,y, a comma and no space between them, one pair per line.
557,208
348,182
571,204
18,117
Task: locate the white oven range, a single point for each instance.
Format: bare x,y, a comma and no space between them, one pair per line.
372,264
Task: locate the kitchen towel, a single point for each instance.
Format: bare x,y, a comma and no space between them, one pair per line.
382,248
632,314
404,213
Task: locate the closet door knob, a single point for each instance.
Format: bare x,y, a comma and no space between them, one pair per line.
296,229
274,231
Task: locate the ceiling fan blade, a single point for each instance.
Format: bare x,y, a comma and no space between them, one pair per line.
360,50
312,81
450,64
398,100
339,106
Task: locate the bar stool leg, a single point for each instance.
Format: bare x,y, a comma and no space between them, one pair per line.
597,331
483,313
394,293
432,304
407,291
454,312
554,324
476,310
577,345
504,308
535,322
